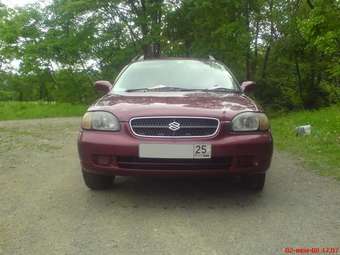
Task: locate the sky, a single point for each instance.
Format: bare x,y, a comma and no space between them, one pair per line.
20,3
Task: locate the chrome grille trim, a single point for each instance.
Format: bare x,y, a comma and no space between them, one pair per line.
136,126
216,127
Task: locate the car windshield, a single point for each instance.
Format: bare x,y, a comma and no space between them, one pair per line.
176,75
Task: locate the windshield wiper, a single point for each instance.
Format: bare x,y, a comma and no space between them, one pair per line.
140,89
159,88
221,89
171,88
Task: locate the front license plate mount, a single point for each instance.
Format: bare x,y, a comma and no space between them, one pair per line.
175,151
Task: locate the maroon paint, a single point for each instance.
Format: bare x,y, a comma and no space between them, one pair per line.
256,145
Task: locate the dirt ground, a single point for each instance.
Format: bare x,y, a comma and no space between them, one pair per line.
46,209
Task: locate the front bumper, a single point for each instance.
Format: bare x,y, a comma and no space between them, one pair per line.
116,153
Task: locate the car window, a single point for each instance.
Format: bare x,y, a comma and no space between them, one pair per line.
186,74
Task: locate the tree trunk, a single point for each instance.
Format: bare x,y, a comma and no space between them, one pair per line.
151,50
310,4
152,11
248,54
254,68
267,54
299,81
265,62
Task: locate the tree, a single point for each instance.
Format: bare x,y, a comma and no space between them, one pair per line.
291,48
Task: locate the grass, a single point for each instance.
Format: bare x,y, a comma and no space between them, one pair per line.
33,110
321,150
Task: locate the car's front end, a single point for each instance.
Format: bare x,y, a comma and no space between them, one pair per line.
174,133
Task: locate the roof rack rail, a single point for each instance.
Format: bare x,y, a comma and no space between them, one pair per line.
137,58
211,57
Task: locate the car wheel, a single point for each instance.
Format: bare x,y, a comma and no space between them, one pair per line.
97,182
254,182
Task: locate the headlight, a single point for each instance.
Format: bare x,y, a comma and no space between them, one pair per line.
103,121
250,121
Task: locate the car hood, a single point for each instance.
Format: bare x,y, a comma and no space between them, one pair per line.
200,104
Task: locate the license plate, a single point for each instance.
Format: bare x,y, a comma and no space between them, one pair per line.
175,151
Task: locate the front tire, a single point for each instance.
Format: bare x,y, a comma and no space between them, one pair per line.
254,182
97,182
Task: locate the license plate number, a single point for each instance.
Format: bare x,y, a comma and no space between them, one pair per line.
175,151
202,151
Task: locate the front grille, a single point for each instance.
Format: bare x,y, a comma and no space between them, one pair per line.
136,163
174,126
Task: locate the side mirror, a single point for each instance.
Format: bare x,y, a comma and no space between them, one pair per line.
103,86
248,86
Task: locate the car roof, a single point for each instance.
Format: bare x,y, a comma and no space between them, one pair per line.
163,58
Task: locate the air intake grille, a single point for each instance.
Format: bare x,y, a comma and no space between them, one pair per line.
174,164
174,126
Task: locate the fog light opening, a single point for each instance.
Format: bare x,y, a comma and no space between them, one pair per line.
103,160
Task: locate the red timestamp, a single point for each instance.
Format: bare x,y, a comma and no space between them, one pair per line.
311,250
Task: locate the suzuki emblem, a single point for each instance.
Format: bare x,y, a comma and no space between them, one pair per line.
174,126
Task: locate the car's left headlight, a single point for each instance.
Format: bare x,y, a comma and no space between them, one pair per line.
250,121
100,120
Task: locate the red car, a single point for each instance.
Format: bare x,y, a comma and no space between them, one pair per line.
175,116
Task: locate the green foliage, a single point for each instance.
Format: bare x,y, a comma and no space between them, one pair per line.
200,28
320,150
291,48
30,110
6,95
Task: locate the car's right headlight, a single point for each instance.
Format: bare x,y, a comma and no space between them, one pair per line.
250,121
100,120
